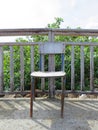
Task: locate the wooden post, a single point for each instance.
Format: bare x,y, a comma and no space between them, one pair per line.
51,65
1,69
21,68
72,69
32,58
91,68
11,69
82,67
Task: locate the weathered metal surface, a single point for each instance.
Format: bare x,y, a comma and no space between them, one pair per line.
23,32
45,31
72,69
32,58
42,69
82,67
11,69
52,48
21,68
51,67
1,69
37,43
91,68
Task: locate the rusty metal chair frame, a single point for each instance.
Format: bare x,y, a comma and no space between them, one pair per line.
50,49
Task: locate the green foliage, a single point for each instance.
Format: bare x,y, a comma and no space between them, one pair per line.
6,69
56,24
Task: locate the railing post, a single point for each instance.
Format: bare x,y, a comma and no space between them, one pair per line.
72,69
82,67
32,68
91,68
21,68
1,69
32,58
51,68
11,69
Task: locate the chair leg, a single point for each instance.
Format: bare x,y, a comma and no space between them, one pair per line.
33,84
62,97
32,96
62,105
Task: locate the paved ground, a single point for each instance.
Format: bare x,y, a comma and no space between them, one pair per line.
78,114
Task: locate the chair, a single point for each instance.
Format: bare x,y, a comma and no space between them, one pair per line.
49,48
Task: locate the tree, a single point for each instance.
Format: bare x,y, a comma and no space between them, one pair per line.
56,24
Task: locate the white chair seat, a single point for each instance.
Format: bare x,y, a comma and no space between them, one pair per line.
47,74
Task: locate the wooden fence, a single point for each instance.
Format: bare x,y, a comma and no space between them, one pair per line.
51,33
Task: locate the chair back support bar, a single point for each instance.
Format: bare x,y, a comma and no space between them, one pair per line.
62,62
52,48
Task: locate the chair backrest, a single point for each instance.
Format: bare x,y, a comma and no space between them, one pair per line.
51,48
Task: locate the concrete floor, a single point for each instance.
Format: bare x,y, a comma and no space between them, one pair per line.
78,114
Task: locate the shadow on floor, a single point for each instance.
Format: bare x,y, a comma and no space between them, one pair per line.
78,114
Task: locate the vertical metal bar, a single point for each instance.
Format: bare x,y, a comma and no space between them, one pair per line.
51,65
32,82
62,69
40,61
82,67
72,69
32,85
21,68
32,58
11,69
31,98
42,69
62,65
91,68
62,97
1,69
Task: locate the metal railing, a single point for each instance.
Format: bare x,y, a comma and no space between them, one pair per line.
51,33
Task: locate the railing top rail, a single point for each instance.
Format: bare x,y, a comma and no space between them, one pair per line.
37,43
45,31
